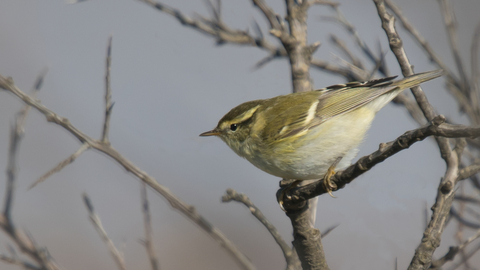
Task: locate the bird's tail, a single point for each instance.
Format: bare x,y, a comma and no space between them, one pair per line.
417,79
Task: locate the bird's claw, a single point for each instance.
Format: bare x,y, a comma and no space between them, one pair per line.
328,184
284,193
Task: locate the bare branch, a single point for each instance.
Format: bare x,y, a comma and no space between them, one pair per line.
343,47
412,107
117,257
462,220
467,256
209,27
19,262
396,45
321,2
23,242
349,74
342,20
451,25
432,235
269,14
108,93
187,210
462,100
475,80
61,165
467,199
265,61
148,229
298,51
453,251
469,171
307,240
16,133
232,195
454,86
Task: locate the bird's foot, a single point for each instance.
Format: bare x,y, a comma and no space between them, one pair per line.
284,193
328,184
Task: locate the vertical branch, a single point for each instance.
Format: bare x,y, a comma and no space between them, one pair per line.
451,25
445,194
148,229
299,53
294,40
24,242
16,134
117,256
108,93
307,240
475,80
460,226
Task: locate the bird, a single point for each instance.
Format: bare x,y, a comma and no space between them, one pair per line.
306,135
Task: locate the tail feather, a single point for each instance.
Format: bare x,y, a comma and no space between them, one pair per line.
396,87
416,79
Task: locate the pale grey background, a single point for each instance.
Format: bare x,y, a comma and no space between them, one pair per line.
170,84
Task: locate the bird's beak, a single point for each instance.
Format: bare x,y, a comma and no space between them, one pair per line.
213,132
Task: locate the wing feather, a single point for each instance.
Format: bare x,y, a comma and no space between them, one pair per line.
334,100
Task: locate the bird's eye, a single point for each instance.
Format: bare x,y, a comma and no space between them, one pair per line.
233,127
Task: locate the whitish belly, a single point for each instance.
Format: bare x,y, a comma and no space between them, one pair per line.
311,155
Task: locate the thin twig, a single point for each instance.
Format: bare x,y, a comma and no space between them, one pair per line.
464,221
61,165
343,47
469,171
468,199
147,222
209,27
342,20
25,243
349,74
451,26
475,80
19,262
232,195
412,107
321,2
108,93
467,256
117,256
329,230
269,14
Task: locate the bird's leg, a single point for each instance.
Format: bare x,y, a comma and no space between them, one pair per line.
284,193
329,186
